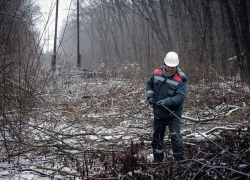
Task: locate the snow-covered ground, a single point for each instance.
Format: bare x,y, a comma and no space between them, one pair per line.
98,127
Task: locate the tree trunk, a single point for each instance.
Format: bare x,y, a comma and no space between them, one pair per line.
223,26
245,39
163,5
210,30
234,34
204,34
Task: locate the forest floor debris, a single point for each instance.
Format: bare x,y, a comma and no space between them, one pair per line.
86,129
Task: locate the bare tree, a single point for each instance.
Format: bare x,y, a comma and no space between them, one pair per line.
144,30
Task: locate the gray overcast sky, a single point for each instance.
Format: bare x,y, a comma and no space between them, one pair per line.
47,6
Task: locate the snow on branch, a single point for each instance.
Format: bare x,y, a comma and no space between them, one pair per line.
231,108
197,120
195,137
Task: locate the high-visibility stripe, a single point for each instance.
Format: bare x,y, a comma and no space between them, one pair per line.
181,73
150,92
177,77
158,71
172,82
159,78
159,151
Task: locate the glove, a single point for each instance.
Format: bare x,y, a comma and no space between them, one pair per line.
161,102
151,100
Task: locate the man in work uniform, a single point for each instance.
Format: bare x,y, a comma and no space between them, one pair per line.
167,86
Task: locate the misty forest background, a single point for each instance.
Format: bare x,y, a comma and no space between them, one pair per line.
210,36
121,41
204,33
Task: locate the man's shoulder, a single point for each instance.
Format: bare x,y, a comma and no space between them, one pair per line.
158,70
181,74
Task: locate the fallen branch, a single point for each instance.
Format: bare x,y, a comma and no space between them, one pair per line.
232,107
42,173
221,167
224,128
72,174
197,120
207,163
58,170
232,110
195,137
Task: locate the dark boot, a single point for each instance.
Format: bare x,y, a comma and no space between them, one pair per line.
179,156
158,155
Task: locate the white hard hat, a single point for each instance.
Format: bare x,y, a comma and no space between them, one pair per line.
171,59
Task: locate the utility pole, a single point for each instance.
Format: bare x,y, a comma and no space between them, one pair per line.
53,64
48,43
78,39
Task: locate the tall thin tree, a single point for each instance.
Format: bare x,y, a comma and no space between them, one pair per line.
78,38
53,64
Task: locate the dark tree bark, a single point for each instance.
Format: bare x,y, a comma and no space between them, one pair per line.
223,53
210,30
245,36
204,33
164,11
153,19
234,34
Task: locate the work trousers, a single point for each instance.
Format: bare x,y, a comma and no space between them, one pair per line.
174,126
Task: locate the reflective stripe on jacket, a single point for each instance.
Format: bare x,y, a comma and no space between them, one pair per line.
172,89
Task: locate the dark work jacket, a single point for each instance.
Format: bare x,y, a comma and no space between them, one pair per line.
172,90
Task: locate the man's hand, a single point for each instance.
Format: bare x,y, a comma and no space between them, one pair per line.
151,100
161,102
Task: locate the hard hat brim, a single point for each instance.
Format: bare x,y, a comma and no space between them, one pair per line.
170,64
